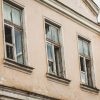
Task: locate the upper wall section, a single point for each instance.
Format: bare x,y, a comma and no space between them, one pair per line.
81,7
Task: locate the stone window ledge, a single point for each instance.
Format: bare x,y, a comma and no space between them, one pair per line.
89,88
58,79
17,66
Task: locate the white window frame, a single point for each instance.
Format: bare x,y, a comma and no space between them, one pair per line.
11,12
84,72
53,45
13,43
85,58
13,27
53,54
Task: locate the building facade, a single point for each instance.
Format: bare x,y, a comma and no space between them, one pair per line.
49,50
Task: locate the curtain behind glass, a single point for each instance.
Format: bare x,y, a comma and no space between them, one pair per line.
16,17
7,12
19,47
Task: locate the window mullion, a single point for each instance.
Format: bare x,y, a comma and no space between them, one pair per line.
14,45
5,43
11,15
50,60
86,78
54,59
47,54
85,71
48,43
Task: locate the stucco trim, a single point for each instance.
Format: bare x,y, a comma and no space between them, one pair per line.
12,92
14,65
70,13
89,88
58,79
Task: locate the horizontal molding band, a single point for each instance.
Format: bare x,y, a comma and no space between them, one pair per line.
12,92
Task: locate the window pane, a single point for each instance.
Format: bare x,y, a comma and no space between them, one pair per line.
82,64
83,77
20,59
8,34
19,49
80,46
58,61
86,48
48,31
50,52
7,12
54,32
89,73
9,52
51,67
16,16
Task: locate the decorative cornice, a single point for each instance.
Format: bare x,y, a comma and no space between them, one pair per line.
72,14
92,6
12,92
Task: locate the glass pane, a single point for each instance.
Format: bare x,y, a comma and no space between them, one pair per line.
83,77
9,52
20,59
51,68
19,47
50,52
58,60
54,32
7,12
80,46
16,16
86,48
18,41
82,64
8,34
48,31
89,72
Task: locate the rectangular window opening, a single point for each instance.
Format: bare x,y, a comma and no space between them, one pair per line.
82,64
54,49
85,62
13,33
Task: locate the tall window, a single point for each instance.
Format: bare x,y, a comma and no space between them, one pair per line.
85,62
13,33
53,50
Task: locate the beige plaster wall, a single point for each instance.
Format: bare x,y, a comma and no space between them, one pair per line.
34,14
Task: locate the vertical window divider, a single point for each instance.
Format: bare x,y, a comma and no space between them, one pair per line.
14,45
54,59
85,70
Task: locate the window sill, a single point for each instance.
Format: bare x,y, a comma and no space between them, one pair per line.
17,66
89,88
58,79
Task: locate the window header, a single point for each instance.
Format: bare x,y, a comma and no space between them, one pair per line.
14,4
